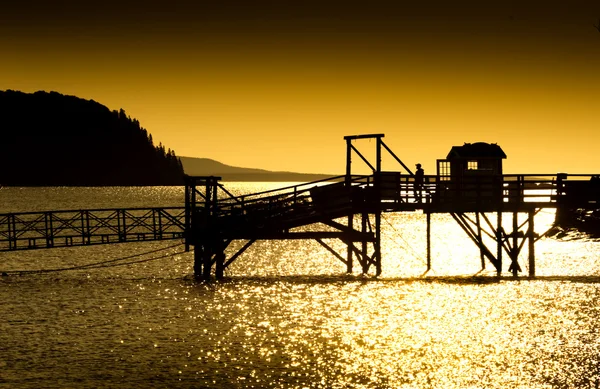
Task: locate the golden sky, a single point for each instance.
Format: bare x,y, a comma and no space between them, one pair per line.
277,84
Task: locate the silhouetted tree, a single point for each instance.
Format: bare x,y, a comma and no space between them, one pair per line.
54,139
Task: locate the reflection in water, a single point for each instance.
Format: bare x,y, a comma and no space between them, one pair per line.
320,331
288,317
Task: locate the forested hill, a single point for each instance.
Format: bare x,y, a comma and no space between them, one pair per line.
49,139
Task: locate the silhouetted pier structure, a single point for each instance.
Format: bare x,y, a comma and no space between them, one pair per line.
469,185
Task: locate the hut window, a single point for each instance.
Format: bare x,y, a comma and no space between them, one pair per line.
472,165
444,170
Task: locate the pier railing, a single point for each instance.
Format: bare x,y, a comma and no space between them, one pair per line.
291,197
302,204
508,190
281,208
397,188
391,191
34,230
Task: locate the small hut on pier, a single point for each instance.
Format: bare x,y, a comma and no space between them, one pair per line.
471,172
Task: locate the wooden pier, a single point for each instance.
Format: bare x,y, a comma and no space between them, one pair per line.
469,185
497,211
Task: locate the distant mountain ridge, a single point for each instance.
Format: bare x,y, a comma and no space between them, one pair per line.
209,167
50,139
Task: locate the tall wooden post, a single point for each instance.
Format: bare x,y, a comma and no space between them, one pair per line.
479,237
428,240
206,240
531,237
514,255
217,238
378,209
206,263
348,182
364,251
349,255
219,263
188,208
198,259
499,239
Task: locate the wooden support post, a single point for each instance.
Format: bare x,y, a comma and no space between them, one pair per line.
219,264
428,240
215,184
479,237
364,255
206,263
364,248
187,216
218,249
198,259
348,182
348,159
349,244
531,237
514,255
377,244
499,239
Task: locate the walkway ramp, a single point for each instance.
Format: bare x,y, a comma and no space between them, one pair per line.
277,212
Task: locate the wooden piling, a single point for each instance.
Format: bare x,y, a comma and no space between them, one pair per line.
198,260
428,240
514,252
531,237
499,242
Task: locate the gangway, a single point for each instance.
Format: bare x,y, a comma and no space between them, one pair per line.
66,228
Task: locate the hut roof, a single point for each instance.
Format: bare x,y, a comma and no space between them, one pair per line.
476,150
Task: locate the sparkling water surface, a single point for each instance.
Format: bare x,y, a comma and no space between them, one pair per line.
287,315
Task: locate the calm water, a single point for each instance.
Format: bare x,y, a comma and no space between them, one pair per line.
288,317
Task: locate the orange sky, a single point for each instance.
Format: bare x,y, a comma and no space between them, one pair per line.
277,85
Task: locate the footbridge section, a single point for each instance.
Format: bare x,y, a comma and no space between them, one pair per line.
66,228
